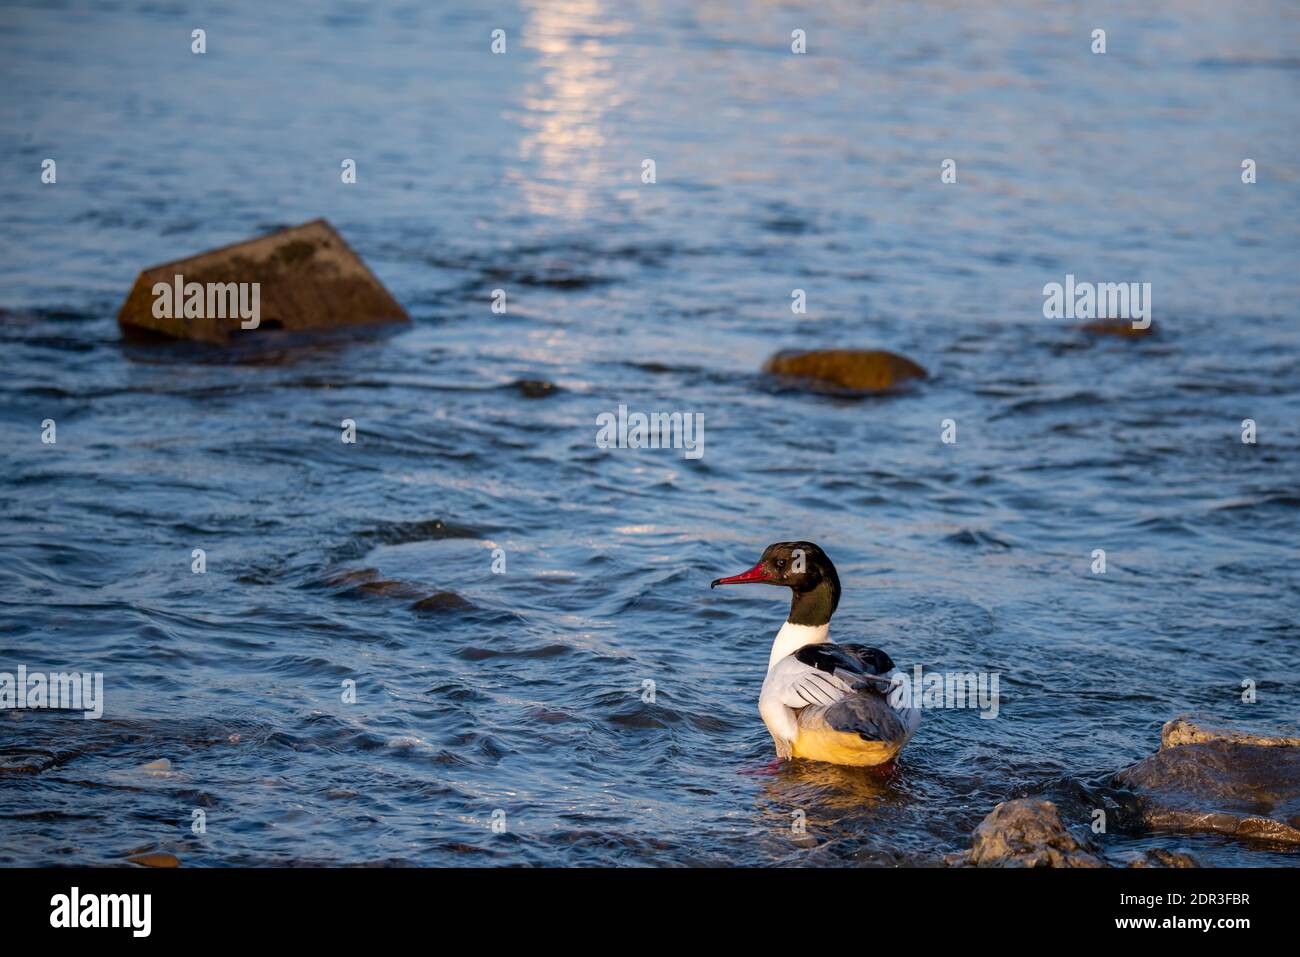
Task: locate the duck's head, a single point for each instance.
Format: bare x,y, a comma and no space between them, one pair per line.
803,568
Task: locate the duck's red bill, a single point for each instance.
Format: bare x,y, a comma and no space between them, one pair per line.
755,574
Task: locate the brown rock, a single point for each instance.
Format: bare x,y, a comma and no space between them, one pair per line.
1240,783
845,370
158,859
536,388
387,588
1117,327
339,578
308,279
442,601
1190,730
1026,833
1159,857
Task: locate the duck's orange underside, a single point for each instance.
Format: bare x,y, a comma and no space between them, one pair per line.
842,747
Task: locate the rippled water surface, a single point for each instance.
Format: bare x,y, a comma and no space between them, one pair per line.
523,692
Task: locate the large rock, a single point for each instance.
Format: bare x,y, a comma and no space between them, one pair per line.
1208,778
308,279
1026,833
844,370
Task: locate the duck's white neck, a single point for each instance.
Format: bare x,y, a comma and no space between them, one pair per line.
792,637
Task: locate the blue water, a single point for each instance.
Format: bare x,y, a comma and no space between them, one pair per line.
523,172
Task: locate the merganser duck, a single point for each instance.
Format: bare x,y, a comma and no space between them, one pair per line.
822,701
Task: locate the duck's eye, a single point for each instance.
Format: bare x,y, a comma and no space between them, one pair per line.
780,563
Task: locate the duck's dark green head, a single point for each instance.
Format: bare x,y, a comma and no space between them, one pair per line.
803,568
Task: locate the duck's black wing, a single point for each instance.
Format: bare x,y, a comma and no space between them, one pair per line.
850,663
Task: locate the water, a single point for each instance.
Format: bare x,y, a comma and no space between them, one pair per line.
522,172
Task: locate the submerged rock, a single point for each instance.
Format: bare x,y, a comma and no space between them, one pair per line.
1117,327
1206,778
157,859
1159,857
25,761
1026,833
442,601
307,278
535,388
341,578
159,770
386,588
844,370
366,583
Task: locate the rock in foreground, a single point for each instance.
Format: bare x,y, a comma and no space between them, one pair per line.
1206,778
1026,833
1029,833
302,278
844,370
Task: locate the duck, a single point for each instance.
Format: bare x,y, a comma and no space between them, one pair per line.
823,701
